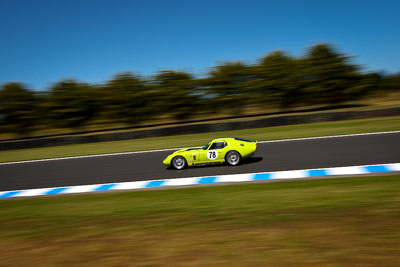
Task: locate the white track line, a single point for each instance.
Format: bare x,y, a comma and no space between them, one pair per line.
169,149
324,137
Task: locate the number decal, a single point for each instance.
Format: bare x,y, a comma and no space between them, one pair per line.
212,154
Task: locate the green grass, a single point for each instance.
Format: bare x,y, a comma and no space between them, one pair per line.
327,222
261,134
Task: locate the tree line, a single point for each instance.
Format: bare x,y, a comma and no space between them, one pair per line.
323,76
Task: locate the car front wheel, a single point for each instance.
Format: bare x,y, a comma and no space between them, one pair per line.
178,163
233,158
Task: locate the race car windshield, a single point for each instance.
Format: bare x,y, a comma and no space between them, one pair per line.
206,146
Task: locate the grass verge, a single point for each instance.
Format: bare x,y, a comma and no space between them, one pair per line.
327,222
261,134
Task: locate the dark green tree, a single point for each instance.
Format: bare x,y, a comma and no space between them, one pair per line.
127,99
328,77
370,84
124,100
175,94
17,109
229,86
72,104
390,83
276,81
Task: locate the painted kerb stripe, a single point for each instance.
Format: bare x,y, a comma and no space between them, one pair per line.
232,178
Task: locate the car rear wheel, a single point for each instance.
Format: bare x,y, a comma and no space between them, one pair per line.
178,163
233,158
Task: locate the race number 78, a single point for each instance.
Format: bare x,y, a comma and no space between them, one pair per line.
212,155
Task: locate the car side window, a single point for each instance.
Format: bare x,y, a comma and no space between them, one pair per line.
218,145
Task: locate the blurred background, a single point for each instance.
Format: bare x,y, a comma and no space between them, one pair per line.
323,77
175,60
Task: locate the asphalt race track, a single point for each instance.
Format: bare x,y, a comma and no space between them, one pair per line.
276,156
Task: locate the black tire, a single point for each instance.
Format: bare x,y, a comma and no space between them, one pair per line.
233,158
178,163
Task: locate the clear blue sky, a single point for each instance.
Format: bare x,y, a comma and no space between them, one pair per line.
44,41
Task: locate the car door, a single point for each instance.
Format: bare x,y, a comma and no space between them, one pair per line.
215,152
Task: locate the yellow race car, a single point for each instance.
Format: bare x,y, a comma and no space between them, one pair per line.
222,150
